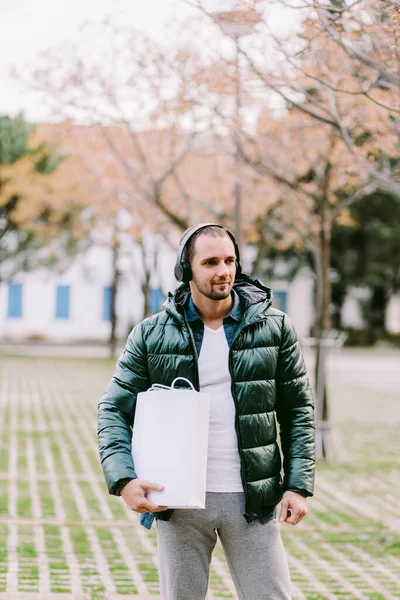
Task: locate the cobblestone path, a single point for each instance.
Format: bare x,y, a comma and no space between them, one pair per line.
62,535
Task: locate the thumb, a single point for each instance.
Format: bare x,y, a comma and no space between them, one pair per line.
148,485
284,510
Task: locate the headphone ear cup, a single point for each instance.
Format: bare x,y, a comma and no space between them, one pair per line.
186,271
182,271
238,268
178,272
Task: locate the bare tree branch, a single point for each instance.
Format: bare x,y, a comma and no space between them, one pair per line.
360,56
127,167
385,106
362,192
180,222
278,90
267,169
178,159
384,181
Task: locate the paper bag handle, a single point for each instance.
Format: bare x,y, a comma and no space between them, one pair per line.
183,379
160,386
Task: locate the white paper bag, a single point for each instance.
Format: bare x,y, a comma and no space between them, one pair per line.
170,444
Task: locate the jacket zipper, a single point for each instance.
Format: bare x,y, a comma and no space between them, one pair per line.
196,360
248,516
244,483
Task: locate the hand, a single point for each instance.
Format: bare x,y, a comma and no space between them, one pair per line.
134,495
293,508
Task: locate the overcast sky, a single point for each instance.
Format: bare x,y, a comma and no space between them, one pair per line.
30,26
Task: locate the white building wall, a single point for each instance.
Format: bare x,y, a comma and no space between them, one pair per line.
393,314
299,301
39,303
351,310
87,277
300,304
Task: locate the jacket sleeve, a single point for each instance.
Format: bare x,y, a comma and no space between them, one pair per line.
295,413
116,412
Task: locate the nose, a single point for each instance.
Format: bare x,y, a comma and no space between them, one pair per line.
223,269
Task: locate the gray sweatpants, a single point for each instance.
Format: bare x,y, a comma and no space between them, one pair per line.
254,552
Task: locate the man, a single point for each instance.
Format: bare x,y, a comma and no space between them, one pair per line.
220,331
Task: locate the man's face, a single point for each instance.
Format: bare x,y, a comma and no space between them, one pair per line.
214,266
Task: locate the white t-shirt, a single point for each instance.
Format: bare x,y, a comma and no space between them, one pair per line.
223,467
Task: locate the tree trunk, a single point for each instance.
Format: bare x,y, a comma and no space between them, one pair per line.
323,326
339,293
114,290
145,285
376,314
146,297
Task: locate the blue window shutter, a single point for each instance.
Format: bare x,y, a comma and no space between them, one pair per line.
62,302
280,301
14,300
107,291
156,300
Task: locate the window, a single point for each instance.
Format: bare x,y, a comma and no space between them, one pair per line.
14,300
62,302
156,300
107,293
280,301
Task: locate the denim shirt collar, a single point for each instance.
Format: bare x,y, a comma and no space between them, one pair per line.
235,313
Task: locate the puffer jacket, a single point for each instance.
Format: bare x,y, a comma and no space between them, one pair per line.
268,379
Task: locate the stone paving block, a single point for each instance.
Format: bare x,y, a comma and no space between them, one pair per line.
63,537
22,596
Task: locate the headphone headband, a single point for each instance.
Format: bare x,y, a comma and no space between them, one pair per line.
183,271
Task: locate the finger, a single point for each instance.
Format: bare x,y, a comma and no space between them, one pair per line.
145,506
153,508
296,516
291,517
284,511
299,519
160,508
300,516
148,485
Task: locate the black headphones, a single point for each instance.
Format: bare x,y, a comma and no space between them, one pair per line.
182,270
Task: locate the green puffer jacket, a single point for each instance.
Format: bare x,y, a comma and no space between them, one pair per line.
268,378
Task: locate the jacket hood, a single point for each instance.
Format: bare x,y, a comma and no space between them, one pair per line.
249,289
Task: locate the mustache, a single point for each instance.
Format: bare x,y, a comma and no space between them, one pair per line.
222,280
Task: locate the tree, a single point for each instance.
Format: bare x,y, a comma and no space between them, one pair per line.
162,108
118,215
39,213
137,92
145,140
334,138
363,255
145,98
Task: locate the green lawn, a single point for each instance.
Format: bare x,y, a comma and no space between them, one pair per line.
60,531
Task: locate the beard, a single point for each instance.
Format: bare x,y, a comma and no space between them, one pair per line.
212,290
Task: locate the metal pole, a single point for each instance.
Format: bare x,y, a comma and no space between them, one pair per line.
238,183
319,433
238,214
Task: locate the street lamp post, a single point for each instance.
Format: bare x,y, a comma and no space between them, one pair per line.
238,182
237,22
